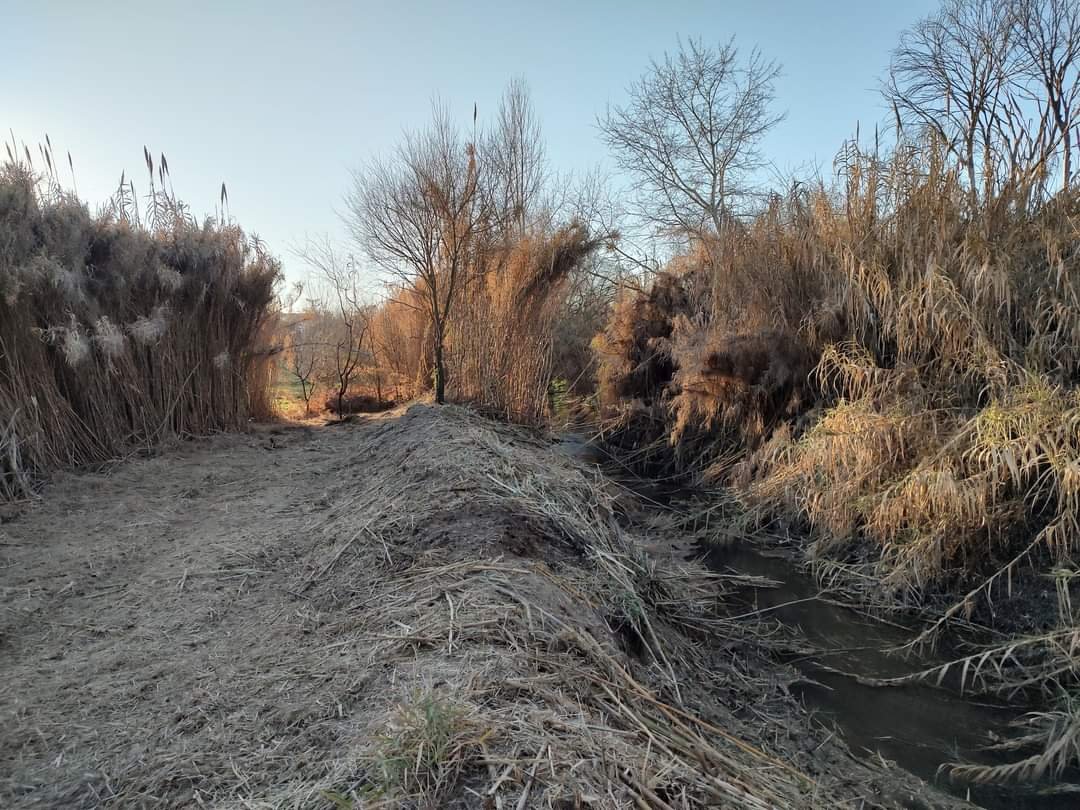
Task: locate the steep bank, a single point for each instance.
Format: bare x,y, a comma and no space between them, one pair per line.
424,608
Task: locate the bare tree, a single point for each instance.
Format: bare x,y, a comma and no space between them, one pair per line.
997,84
691,133
515,160
420,216
344,316
303,363
302,349
1048,34
950,76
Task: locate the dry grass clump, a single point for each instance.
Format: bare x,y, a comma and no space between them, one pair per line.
718,350
635,359
743,384
1055,732
425,744
114,335
501,338
951,426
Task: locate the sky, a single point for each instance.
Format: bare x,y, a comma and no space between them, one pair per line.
281,101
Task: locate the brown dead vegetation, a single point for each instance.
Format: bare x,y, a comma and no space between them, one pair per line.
501,343
473,621
358,403
913,402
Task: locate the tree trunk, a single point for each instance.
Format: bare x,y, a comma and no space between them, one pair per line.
375,361
440,372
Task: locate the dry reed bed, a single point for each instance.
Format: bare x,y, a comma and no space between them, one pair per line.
932,443
502,338
114,335
939,346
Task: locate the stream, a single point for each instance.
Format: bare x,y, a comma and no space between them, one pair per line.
921,728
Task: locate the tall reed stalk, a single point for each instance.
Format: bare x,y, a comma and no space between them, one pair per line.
115,334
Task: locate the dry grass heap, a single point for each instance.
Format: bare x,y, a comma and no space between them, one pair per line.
535,655
675,379
114,335
472,621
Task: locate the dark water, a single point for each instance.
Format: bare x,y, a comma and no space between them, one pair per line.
919,727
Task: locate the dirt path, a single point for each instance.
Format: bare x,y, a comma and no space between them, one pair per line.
136,604
229,623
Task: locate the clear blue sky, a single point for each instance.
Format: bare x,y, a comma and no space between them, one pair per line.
280,100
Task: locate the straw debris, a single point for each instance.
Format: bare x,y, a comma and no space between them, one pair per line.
474,620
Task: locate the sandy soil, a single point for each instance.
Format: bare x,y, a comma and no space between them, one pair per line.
232,622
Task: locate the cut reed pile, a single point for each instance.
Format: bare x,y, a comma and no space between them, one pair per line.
114,335
534,654
470,621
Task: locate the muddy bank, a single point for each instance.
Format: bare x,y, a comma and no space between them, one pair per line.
862,676
421,608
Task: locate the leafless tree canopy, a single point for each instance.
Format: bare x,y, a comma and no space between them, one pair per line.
690,135
429,213
997,83
418,216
